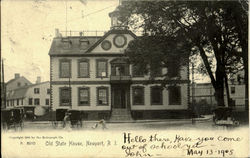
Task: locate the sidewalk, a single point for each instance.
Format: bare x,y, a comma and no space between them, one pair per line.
170,121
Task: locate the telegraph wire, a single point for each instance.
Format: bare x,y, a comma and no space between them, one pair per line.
62,23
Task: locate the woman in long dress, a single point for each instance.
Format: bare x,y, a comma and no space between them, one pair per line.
66,121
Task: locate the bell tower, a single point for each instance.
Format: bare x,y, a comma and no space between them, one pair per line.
116,23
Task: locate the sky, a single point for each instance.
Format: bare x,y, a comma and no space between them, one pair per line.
28,28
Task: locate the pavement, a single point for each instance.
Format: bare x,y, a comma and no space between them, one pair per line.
204,123
159,124
170,121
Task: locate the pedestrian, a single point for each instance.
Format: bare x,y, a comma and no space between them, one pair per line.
66,121
102,122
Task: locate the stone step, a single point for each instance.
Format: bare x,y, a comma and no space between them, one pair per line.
121,112
115,118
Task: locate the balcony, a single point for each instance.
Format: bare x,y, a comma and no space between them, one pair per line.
120,79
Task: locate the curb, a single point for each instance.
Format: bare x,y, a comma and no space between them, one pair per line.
135,121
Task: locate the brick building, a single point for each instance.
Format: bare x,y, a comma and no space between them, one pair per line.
92,74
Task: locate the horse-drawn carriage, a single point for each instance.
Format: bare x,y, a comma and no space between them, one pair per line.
64,116
12,118
224,116
75,118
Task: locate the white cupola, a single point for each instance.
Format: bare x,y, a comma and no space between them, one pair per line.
115,22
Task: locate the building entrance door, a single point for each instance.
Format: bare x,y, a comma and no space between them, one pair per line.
119,98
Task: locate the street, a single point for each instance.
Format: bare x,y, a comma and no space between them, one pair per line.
182,124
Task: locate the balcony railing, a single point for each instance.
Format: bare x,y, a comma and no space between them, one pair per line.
120,78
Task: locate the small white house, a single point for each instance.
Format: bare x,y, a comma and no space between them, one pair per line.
34,99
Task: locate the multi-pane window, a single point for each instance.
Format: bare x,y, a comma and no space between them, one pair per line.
17,102
102,96
37,101
232,90
36,90
21,101
30,101
173,72
157,72
156,95
174,95
46,101
83,96
138,95
233,102
65,96
101,68
83,68
173,69
137,72
48,91
65,68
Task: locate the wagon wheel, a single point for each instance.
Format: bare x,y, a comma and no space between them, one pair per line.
80,123
15,126
77,124
54,124
73,123
5,126
21,124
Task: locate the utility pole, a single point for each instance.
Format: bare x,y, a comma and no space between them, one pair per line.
193,93
3,86
66,16
193,90
70,102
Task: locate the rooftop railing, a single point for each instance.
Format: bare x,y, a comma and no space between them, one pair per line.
82,33
89,32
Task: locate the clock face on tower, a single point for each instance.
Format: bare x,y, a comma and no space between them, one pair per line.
106,45
120,41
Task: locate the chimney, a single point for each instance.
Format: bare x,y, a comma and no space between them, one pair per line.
17,75
57,33
38,80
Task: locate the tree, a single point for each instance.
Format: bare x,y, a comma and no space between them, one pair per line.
149,53
204,27
239,14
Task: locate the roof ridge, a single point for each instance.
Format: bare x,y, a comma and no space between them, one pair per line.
27,86
13,79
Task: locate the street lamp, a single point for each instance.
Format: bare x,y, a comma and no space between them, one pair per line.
70,104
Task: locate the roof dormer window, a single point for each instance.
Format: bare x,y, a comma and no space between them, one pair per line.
84,43
67,43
